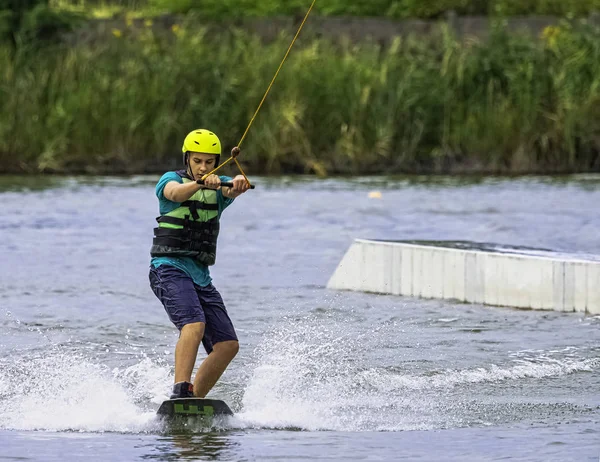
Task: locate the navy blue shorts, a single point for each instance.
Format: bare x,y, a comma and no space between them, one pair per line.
187,303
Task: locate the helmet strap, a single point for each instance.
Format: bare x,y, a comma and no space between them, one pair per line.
186,163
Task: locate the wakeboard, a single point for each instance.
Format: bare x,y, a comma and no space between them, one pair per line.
193,407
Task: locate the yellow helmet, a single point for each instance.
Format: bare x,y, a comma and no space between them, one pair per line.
203,141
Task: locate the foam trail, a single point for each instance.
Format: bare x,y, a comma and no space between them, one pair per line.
387,382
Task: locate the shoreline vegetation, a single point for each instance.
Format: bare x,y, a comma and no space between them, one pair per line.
122,101
395,9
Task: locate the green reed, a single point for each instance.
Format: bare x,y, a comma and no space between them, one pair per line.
124,103
227,9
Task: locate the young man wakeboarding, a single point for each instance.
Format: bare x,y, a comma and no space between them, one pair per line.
183,248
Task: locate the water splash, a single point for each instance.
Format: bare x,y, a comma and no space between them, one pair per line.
319,376
65,391
315,373
305,377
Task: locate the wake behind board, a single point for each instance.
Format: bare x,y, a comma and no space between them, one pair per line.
193,407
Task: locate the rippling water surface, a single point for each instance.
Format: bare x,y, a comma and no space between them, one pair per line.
86,349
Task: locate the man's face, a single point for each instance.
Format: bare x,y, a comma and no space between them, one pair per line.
201,164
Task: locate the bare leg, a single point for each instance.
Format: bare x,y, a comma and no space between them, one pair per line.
187,350
213,366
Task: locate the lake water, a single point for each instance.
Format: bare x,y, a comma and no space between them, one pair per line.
86,350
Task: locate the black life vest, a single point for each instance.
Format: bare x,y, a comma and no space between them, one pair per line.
191,230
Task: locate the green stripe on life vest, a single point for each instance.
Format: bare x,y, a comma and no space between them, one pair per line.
206,196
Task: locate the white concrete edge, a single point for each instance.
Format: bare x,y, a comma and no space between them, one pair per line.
471,251
574,294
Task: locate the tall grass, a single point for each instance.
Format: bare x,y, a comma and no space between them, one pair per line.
124,104
223,9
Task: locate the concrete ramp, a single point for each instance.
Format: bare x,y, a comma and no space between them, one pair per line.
471,272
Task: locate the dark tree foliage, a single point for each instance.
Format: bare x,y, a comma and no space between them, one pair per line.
24,21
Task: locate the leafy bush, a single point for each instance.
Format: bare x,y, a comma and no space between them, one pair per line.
25,20
45,23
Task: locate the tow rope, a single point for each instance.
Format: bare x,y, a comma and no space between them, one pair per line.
235,153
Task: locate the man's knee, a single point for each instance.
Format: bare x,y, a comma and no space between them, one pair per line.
194,330
228,348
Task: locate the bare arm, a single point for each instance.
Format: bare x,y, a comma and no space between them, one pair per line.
180,192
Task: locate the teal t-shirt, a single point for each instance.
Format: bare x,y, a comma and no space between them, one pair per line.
197,271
